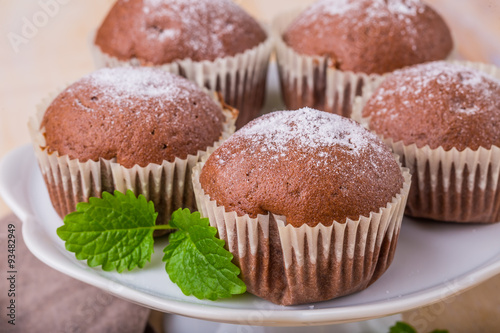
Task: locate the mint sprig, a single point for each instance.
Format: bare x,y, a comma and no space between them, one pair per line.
116,232
195,251
402,327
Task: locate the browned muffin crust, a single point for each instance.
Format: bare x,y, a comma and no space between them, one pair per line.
437,104
310,166
136,115
371,36
161,31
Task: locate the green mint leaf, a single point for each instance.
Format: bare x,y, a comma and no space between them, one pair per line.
440,331
196,260
402,327
115,231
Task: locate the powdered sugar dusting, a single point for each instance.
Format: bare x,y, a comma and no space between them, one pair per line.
405,7
122,86
308,127
443,104
469,86
361,13
338,7
189,15
374,8
311,132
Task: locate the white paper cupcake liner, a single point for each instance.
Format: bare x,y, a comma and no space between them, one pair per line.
241,78
312,80
70,181
288,265
455,186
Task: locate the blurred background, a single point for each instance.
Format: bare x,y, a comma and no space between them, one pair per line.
45,46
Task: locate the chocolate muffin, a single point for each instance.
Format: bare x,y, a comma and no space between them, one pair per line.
156,32
127,128
444,119
370,36
292,175
350,173
134,116
358,37
215,43
438,104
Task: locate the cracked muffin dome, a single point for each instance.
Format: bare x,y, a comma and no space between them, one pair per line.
437,104
134,115
310,166
161,31
370,36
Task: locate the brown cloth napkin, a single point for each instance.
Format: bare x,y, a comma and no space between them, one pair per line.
49,301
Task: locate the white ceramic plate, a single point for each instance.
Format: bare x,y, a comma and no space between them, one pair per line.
432,262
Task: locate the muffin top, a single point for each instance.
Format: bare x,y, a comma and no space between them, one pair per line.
310,166
136,115
437,104
370,36
161,31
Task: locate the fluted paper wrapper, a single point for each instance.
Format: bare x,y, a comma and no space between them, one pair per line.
454,186
241,78
288,265
70,181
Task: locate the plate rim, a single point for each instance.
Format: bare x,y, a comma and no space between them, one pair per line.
51,256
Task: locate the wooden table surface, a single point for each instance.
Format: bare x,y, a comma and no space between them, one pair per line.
36,60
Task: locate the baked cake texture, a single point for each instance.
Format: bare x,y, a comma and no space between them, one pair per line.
439,104
309,203
134,115
125,128
330,51
161,31
214,43
370,36
309,166
443,119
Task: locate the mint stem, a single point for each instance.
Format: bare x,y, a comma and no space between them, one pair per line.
163,227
